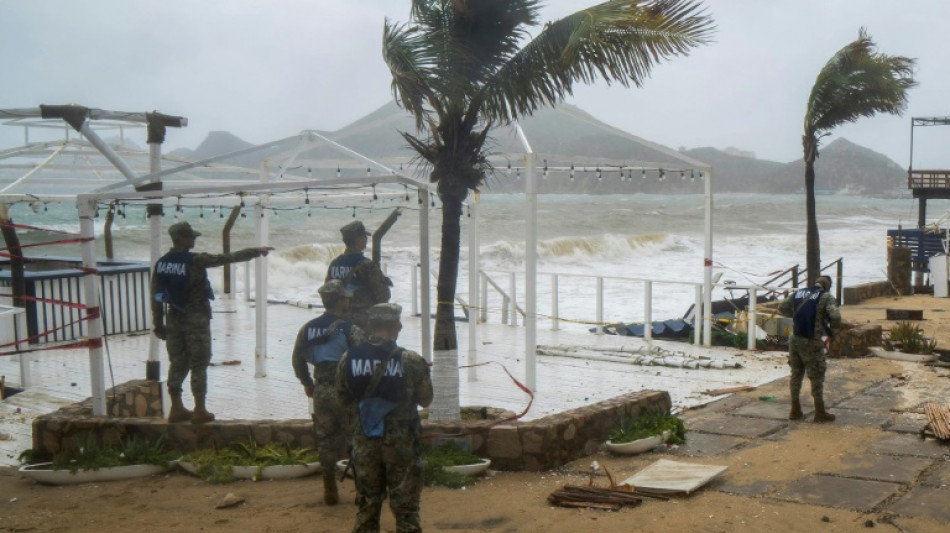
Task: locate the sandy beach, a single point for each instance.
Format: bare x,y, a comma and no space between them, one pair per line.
770,483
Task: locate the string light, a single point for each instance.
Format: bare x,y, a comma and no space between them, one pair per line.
600,175
306,193
572,171
432,198
201,211
509,168
662,174
354,212
692,175
338,172
682,175
405,188
518,174
368,172
374,191
545,168
643,173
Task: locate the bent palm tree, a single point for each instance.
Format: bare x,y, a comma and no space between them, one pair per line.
460,66
856,82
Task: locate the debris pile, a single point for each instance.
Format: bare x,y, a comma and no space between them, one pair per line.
938,417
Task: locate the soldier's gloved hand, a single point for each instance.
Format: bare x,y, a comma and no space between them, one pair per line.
308,390
160,331
266,249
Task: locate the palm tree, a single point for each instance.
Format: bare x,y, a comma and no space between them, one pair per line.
461,66
856,82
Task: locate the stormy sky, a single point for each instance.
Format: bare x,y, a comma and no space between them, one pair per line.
267,70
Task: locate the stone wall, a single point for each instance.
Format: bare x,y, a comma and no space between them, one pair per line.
854,340
534,445
859,293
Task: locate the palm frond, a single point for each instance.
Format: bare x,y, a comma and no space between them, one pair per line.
408,61
620,40
856,82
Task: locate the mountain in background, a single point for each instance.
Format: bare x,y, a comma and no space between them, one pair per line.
567,136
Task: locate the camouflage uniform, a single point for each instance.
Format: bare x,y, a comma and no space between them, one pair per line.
806,355
362,276
188,328
329,424
390,463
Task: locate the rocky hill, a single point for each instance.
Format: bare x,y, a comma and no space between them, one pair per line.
567,136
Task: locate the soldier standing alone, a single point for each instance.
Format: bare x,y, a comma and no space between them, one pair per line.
322,342
382,385
359,274
180,282
813,311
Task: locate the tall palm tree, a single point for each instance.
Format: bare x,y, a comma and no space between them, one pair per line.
461,66
856,82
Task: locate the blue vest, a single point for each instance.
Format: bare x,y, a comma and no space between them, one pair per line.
341,267
806,310
321,345
361,362
171,278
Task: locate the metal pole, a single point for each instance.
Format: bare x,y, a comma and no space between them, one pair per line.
698,316
260,283
473,255
600,305
483,294
750,329
513,300
153,367
708,261
647,310
426,311
90,283
414,288
531,272
555,312
19,321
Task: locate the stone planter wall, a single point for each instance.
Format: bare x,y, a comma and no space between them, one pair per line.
535,445
854,340
859,293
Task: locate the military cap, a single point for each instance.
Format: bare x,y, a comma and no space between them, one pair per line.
354,229
334,287
385,312
180,230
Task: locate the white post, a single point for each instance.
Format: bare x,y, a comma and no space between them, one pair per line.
154,366
647,310
247,281
555,312
599,302
531,273
753,300
414,288
473,264
708,261
512,299
90,284
426,311
26,374
260,283
483,294
698,316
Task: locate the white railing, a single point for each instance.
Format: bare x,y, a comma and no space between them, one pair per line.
13,321
508,307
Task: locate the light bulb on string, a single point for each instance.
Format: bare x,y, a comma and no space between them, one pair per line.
572,171
701,175
368,172
406,189
432,198
201,211
545,168
643,173
600,175
338,172
692,175
354,212
221,213
517,173
374,192
45,209
682,175
309,173
306,194
662,174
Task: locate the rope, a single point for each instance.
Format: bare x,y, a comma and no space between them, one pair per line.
517,383
93,313
50,243
87,343
24,226
71,266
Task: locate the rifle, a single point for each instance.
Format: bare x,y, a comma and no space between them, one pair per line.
381,232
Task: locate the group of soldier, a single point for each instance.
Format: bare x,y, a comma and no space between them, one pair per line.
365,389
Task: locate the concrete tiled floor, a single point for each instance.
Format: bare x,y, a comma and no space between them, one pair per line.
62,376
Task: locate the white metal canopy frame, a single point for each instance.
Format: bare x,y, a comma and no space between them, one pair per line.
148,188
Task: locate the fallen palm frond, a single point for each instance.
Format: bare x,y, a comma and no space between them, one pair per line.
938,417
611,498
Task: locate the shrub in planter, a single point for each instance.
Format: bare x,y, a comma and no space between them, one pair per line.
217,465
447,454
649,425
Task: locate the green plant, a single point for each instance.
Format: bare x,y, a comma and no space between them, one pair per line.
648,425
216,465
138,450
908,338
447,453
88,453
740,340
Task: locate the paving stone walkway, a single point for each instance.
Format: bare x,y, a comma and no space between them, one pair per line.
894,473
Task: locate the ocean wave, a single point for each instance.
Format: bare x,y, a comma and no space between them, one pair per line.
604,248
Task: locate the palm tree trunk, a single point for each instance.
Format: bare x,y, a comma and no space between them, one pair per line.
445,383
812,245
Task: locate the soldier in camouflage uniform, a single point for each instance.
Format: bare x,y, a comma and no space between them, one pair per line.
359,274
383,385
322,342
180,283
814,313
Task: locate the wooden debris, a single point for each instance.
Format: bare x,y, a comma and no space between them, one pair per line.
232,362
729,390
594,498
938,417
